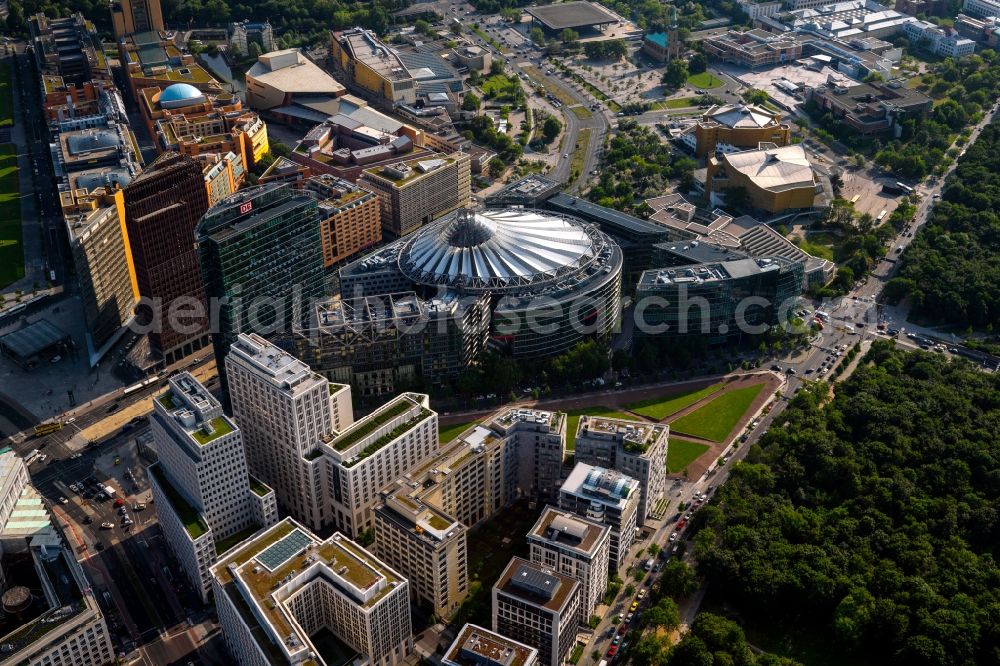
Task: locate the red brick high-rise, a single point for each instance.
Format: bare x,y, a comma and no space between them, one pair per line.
162,207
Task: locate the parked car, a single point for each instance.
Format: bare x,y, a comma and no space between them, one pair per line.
107,526
63,500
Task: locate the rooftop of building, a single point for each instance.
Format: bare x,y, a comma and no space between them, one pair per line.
417,517
334,192
698,274
189,516
262,572
290,71
773,168
611,221
194,410
511,417
569,531
364,46
741,116
529,190
636,436
536,585
575,14
407,171
604,485
345,443
476,646
278,367
891,93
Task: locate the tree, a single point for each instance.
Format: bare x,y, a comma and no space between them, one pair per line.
663,614
421,26
678,580
255,50
537,36
676,74
471,102
569,36
698,63
621,360
754,96
551,128
456,28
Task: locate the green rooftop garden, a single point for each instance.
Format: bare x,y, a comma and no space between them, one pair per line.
258,487
225,545
437,522
167,400
366,427
395,433
192,520
220,427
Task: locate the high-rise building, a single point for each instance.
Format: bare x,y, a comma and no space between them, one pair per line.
265,381
163,205
349,217
417,191
537,606
51,616
607,497
282,587
205,500
261,262
427,546
638,450
574,546
478,646
130,16
68,47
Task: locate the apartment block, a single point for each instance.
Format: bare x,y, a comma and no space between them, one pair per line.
415,192
478,646
539,438
204,495
539,607
265,382
427,546
637,450
349,217
574,546
277,590
608,497
982,8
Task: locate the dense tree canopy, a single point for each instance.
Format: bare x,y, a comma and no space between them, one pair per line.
952,268
871,519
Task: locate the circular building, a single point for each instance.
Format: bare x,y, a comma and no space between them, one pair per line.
179,95
553,280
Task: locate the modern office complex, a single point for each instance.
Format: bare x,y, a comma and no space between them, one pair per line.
265,381
725,301
349,217
162,208
477,646
415,192
374,343
427,546
261,262
537,606
152,60
607,497
871,108
51,617
205,500
372,66
281,593
732,127
129,16
245,33
574,546
775,178
68,47
553,281
638,450
982,8
754,48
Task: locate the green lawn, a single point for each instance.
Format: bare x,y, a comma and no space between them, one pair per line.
681,453
579,152
581,112
816,249
498,87
678,103
11,249
716,419
573,421
448,433
705,80
6,98
660,408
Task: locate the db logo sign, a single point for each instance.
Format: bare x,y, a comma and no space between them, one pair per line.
246,207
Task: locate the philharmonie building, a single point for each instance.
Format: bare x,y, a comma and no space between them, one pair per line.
525,283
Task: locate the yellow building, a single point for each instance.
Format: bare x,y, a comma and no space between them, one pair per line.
372,65
131,16
775,178
739,127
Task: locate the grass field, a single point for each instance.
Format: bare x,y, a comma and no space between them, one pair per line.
705,80
678,103
815,248
6,97
681,453
660,408
448,433
573,420
555,89
716,419
581,112
11,249
498,87
579,152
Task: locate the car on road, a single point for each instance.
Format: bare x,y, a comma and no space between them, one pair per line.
634,607
119,503
75,488
612,650
87,520
673,537
622,628
139,507
63,500
107,526
641,595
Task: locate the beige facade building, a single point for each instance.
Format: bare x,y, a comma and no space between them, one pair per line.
416,192
478,646
607,497
775,178
280,588
733,127
129,16
349,217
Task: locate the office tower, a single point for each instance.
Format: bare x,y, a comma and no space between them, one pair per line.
427,546
261,261
130,16
163,205
349,217
282,587
574,546
536,606
607,497
478,646
60,622
205,500
637,450
418,191
540,438
265,382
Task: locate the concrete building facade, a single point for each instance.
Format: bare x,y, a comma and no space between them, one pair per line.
604,496
349,217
